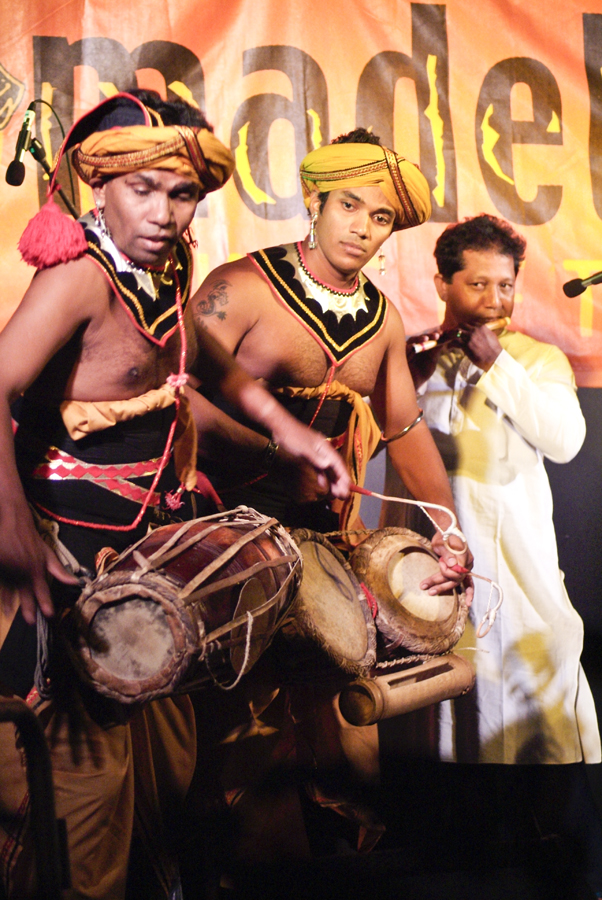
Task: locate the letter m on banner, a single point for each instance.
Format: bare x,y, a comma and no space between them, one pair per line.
56,63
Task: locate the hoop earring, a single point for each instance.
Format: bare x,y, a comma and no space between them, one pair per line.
313,241
382,263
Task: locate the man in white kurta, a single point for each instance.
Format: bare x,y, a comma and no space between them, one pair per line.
494,418
493,430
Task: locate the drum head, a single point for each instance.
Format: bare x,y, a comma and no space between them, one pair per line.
408,567
392,563
131,640
330,609
133,643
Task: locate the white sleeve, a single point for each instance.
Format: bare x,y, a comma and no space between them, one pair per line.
541,404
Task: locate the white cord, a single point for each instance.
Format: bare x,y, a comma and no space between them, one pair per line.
489,617
451,530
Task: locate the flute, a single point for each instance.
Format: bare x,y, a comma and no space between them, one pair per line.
421,343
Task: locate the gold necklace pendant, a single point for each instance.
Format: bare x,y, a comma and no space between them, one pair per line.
166,277
167,274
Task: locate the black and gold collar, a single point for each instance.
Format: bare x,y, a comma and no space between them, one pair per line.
148,295
339,336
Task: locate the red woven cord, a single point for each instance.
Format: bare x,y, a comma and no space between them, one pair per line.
324,394
372,601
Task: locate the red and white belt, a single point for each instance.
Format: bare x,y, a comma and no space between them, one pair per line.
60,466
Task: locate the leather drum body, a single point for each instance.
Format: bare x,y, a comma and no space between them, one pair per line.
188,603
330,624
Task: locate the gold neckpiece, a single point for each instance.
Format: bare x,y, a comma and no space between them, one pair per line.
341,303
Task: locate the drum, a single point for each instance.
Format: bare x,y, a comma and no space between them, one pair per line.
400,691
391,563
187,603
330,625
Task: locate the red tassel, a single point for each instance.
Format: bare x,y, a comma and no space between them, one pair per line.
51,237
204,487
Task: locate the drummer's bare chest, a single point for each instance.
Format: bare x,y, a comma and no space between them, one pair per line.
116,355
284,352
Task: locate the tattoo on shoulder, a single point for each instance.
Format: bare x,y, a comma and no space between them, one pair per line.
217,296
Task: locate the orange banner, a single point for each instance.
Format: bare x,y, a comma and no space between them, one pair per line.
501,105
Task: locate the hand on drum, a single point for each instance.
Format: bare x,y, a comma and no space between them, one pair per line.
454,568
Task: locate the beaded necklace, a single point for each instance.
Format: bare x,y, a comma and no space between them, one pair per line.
341,303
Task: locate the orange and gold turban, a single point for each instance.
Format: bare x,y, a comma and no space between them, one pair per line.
341,166
122,135
193,153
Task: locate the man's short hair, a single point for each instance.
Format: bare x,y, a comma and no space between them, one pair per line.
358,136
482,232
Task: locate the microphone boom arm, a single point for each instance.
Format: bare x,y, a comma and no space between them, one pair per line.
577,285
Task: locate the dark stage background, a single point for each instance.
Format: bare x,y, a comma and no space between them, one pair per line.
577,491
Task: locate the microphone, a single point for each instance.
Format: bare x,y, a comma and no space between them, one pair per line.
16,170
577,286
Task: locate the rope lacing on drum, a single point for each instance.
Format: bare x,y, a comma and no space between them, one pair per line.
192,592
243,668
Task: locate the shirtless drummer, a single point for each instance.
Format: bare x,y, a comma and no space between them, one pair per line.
97,349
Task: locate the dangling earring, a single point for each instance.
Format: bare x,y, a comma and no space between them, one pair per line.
100,216
313,241
382,263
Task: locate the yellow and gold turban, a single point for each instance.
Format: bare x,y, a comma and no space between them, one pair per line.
341,166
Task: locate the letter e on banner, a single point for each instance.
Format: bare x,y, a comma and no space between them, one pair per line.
429,69
592,37
496,133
